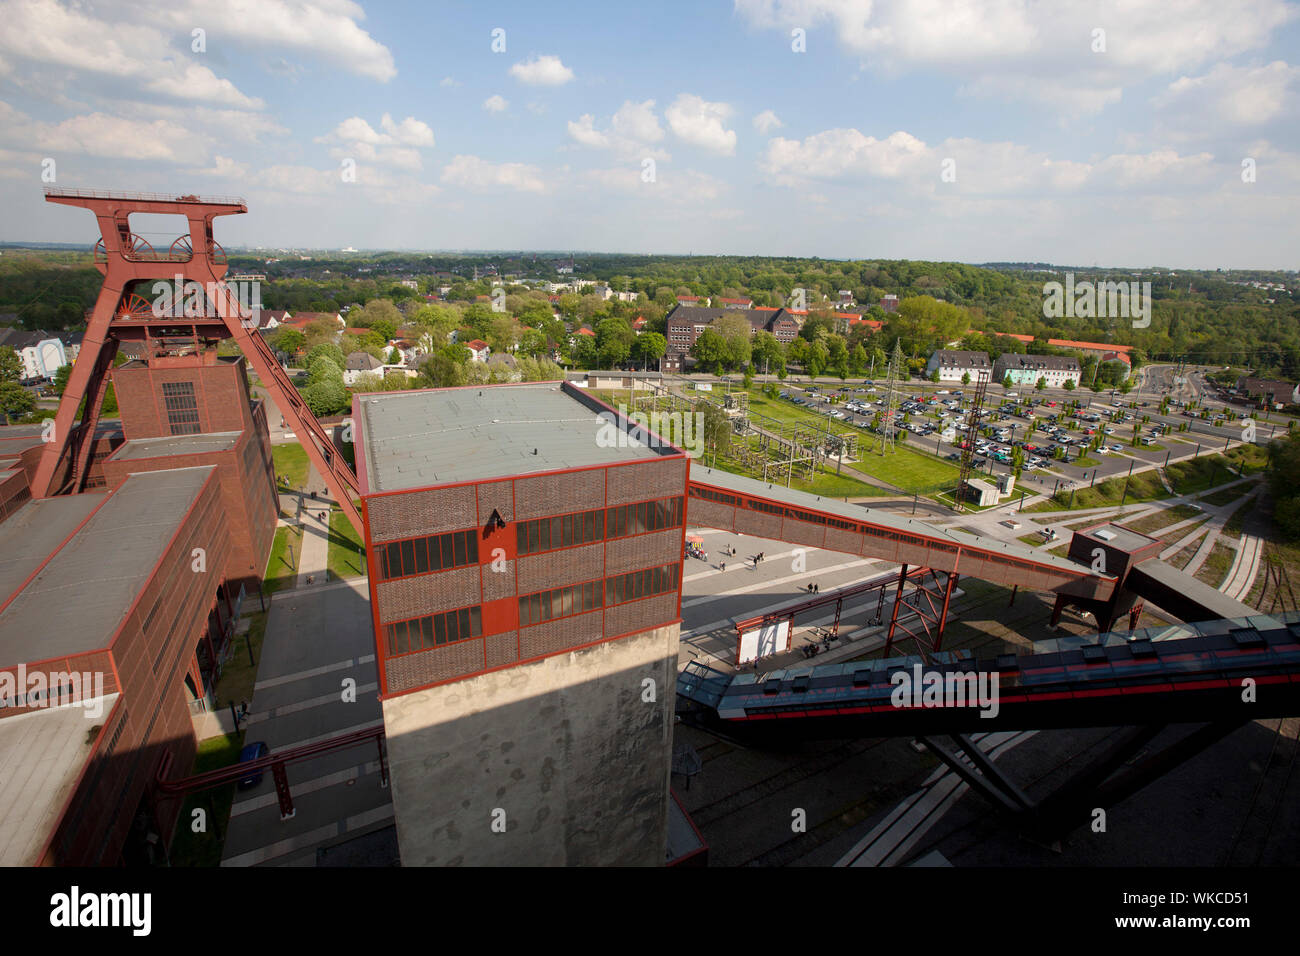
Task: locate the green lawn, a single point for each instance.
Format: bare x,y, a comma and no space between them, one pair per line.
913,471
1162,519
282,565
345,559
1216,565
204,849
291,464
1227,495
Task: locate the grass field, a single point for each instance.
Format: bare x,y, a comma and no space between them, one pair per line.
1227,495
282,565
192,849
1216,565
344,559
1162,519
291,464
911,470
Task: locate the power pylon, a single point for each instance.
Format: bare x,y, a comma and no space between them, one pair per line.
891,400
972,434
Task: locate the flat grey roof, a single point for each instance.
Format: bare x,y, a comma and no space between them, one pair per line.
1126,539
41,756
139,448
801,499
439,436
29,535
78,600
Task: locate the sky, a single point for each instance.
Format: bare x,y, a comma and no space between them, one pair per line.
1142,133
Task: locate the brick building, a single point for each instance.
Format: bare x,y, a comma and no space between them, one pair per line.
685,324
102,600
525,587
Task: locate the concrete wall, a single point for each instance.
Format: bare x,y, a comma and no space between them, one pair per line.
564,745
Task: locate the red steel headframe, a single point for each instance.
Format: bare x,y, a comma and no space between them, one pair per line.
127,260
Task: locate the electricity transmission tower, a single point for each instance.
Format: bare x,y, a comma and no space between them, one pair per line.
888,423
972,435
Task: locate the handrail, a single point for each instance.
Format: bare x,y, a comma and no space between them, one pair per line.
73,193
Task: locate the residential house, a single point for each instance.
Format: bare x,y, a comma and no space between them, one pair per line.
478,350
1028,369
360,363
952,364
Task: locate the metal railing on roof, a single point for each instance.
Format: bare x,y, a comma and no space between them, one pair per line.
69,192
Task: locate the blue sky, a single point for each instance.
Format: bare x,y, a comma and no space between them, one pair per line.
934,129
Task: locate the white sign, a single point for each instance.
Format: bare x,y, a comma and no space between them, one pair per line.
764,642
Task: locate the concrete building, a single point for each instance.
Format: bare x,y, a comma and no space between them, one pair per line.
952,364
526,595
1028,369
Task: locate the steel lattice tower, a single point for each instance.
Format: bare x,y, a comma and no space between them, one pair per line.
131,268
972,433
891,400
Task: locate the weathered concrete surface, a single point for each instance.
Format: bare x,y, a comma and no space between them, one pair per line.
567,747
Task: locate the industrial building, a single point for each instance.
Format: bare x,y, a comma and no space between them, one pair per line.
526,593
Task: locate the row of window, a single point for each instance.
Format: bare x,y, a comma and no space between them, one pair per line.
436,552
435,630
564,531
639,584
182,408
560,602
620,521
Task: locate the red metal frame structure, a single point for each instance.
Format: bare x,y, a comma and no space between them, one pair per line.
929,640
934,617
121,313
276,763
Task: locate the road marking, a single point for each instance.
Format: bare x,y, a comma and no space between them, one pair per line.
284,710
314,672
368,725
311,837
305,786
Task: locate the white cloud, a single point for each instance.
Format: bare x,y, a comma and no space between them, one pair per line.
701,123
542,71
495,103
838,153
199,84
223,166
767,121
398,145
470,172
449,81
633,131
1011,48
1243,96
99,134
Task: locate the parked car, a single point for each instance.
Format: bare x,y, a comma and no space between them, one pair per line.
251,752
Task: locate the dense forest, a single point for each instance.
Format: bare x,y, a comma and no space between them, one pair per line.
1204,317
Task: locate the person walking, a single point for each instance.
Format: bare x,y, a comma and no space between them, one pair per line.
722,565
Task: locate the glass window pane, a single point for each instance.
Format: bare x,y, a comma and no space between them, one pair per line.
463,615
453,634
402,644
408,558
444,543
476,620
537,608
435,553
421,546
426,631
557,533
521,537
458,542
567,602
471,540
566,530
392,639
439,629
523,612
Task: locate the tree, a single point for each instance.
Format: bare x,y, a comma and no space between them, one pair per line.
614,339
1007,381
710,350
326,397
1069,385
717,428
15,401
11,366
1041,383
287,339
328,350
767,353
965,378
934,376
649,347
61,377
323,369
442,371
736,333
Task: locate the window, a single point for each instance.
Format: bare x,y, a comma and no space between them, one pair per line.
182,408
565,531
559,602
435,630
439,552
639,584
643,517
